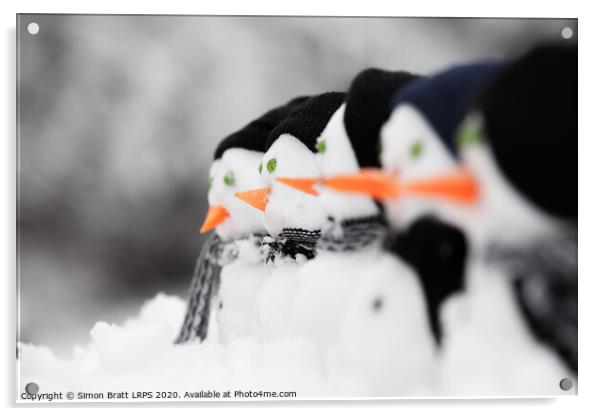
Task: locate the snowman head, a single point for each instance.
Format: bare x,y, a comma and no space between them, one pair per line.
285,207
291,154
336,156
230,216
520,143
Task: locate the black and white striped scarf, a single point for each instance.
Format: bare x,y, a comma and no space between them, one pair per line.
289,244
544,279
352,234
348,235
215,254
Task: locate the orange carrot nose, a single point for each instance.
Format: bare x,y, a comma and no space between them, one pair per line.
459,186
256,197
215,216
301,184
371,182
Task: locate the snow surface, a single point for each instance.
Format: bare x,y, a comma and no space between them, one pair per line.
139,354
306,328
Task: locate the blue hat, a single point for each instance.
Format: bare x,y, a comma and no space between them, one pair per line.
445,98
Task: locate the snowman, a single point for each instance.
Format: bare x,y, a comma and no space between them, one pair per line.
514,330
293,219
231,265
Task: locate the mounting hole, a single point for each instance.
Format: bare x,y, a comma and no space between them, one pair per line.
566,32
32,388
33,28
566,384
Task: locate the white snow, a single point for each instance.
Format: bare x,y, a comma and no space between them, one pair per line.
341,345
321,338
139,354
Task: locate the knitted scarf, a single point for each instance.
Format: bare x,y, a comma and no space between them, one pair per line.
215,254
544,277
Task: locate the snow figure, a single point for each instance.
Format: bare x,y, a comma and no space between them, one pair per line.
436,250
514,331
239,233
417,143
362,307
384,346
294,220
523,225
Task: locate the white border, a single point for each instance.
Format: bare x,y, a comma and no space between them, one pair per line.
590,149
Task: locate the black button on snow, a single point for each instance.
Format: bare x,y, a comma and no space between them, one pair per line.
377,304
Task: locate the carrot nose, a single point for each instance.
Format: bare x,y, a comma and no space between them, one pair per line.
255,197
215,216
459,185
301,184
373,182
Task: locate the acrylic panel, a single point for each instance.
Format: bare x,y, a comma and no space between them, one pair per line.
227,208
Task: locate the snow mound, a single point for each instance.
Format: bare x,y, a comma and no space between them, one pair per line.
140,355
356,354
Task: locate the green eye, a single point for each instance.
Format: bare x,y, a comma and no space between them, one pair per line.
469,132
210,183
229,179
271,165
260,168
416,149
380,145
321,146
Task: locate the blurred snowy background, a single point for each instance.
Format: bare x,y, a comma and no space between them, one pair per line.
119,116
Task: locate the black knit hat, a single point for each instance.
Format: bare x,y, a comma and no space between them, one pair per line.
308,120
368,108
530,117
253,136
